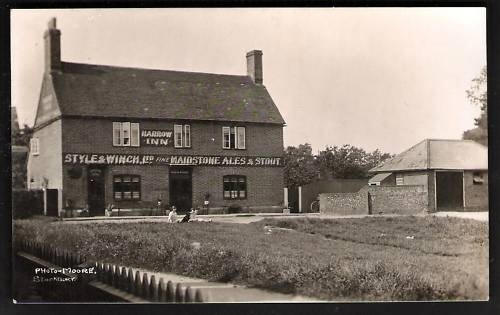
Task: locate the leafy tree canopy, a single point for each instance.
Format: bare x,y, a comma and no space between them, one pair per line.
347,161
300,165
477,95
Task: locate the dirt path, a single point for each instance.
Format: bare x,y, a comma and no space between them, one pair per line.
479,216
249,218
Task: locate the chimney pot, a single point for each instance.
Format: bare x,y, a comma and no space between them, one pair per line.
52,23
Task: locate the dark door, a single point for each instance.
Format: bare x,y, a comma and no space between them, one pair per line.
52,202
449,190
95,179
180,188
293,199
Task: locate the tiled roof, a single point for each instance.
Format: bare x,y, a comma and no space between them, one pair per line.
379,177
106,91
438,154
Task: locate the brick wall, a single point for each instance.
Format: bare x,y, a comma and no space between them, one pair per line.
431,190
310,191
154,185
407,199
344,203
264,184
476,195
96,136
380,199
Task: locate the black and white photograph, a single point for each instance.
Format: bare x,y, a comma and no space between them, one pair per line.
249,155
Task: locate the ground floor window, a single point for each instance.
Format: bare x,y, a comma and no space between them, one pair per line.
127,187
235,187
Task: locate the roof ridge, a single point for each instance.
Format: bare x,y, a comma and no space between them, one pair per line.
456,140
149,69
395,156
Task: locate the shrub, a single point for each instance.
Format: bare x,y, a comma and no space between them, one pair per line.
27,203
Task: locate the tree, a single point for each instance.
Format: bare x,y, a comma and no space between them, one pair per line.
477,95
300,165
348,161
20,137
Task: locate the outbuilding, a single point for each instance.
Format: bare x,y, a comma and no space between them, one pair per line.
131,137
452,173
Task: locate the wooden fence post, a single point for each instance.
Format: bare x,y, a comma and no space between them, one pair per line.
66,259
153,289
189,298
145,286
170,291
138,284
162,291
115,276
179,293
198,297
123,279
130,280
102,272
107,274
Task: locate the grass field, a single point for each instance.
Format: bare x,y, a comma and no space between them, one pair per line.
373,258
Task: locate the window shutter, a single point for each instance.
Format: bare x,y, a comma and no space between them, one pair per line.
235,138
241,137
125,134
178,136
187,136
226,138
117,134
134,134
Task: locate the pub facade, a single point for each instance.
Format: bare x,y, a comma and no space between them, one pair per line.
132,137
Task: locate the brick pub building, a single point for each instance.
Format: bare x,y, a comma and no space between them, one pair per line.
130,137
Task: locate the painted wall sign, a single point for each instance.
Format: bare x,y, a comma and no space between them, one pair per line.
165,159
157,138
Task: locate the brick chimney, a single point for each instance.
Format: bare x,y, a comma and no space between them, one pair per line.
254,66
52,38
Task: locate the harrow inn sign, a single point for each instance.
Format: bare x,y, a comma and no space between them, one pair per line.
163,159
157,138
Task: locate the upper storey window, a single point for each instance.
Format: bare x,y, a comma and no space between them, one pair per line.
125,134
233,138
34,146
182,136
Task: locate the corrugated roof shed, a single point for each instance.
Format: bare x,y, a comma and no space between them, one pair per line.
438,154
106,91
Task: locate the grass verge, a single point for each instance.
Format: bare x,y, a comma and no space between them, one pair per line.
402,258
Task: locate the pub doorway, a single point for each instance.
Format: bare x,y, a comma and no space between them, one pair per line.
181,188
95,188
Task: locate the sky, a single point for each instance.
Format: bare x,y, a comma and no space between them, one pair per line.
375,78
